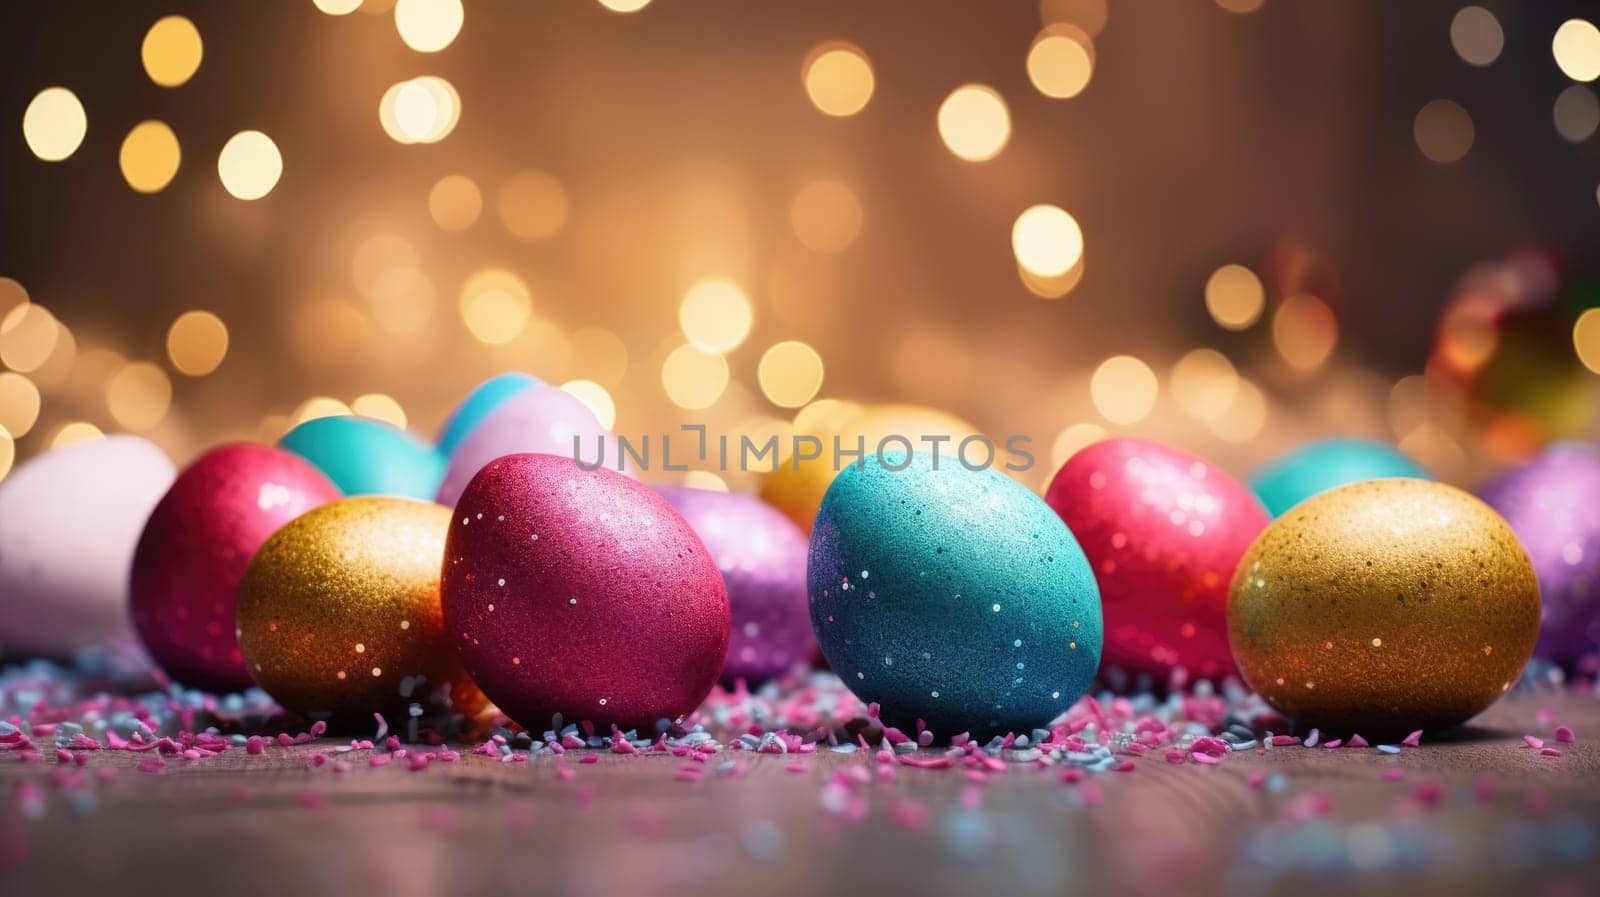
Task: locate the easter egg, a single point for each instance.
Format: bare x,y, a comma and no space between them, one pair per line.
583,593
953,596
339,614
540,418
1553,505
69,521
797,486
1383,607
1319,466
194,550
1163,530
368,457
483,399
762,556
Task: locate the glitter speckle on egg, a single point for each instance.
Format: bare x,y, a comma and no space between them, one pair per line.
1384,607
1553,504
1163,530
953,596
583,593
762,555
339,614
536,418
195,548
1322,465
368,457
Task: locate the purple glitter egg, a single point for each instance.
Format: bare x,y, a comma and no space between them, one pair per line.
762,556
1553,504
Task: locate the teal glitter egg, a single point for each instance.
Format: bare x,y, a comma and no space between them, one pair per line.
953,596
484,398
368,457
1319,466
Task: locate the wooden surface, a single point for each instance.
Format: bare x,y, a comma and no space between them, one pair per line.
274,824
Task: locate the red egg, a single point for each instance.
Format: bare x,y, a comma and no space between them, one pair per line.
583,593
1163,530
194,550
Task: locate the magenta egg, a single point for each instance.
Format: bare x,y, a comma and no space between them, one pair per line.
194,550
1163,530
762,556
538,418
583,593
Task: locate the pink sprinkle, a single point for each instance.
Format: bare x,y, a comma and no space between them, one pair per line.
284,739
317,728
1564,735
1357,741
1550,752
795,767
1174,756
1124,766
1257,779
1413,740
1333,744
151,765
63,755
1282,740
1072,776
1533,741
589,758
1394,775
566,773
1544,716
909,814
1207,759
379,760
255,745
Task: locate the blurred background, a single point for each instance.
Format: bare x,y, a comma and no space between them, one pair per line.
1228,224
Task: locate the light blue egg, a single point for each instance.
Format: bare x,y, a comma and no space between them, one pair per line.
1319,466
952,595
484,398
368,457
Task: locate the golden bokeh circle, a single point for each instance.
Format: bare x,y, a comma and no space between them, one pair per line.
838,78
150,156
172,51
197,342
54,124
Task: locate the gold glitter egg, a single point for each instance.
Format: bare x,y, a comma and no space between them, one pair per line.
339,615
1382,607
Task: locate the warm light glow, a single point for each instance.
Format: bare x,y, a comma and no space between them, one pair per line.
1305,331
1234,297
496,305
12,294
1245,416
377,255
1204,383
715,315
428,26
139,395
1467,334
149,156
318,407
455,202
1123,389
705,479
596,398
74,433
1061,61
826,216
249,165
1090,15
624,6
533,205
377,406
694,379
8,452
1476,35
1576,113
599,355
1241,6
172,50
1585,339
327,329
1443,131
1051,287
974,122
1576,47
338,7
790,374
422,110
28,336
54,124
838,78
19,404
197,342
1071,439
1047,241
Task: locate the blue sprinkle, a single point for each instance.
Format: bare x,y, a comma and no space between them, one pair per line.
1389,748
846,748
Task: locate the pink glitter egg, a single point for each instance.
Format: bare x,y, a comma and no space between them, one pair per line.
762,555
538,418
1163,530
194,550
583,593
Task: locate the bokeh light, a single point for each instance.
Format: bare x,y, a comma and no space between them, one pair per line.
197,342
1090,15
338,7
826,216
1047,241
316,408
625,6
838,78
495,305
425,109
1304,331
705,479
54,124
1586,339
597,398
790,374
694,379
599,355
1245,416
1123,389
1241,6
1576,47
455,202
378,406
1071,439
19,404
8,452
1051,287
139,395
532,205
428,26
1235,297
1061,61
1204,383
172,51
12,294
974,122
75,433
28,336
150,156
715,315
1476,35
249,165
1576,113
1443,131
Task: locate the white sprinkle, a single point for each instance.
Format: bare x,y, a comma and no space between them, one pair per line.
997,608
502,581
